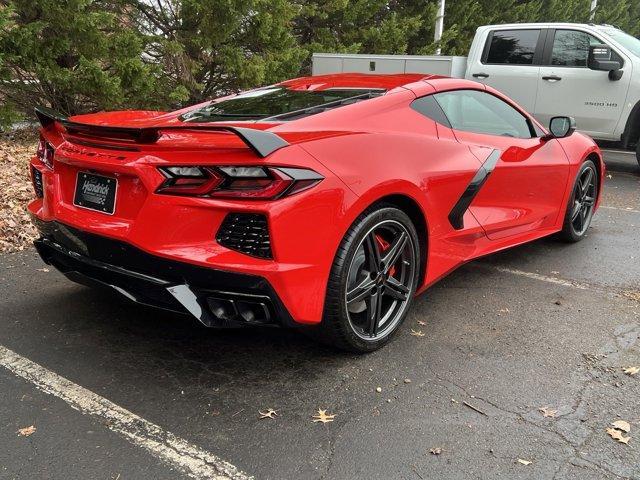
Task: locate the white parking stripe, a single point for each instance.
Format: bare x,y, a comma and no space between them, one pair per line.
173,450
630,210
543,278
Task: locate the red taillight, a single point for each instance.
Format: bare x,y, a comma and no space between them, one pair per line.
45,152
250,182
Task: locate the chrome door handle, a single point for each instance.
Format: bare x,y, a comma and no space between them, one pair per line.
480,75
552,78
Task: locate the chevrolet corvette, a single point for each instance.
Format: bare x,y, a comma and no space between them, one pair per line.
325,203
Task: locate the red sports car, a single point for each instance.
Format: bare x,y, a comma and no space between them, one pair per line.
326,202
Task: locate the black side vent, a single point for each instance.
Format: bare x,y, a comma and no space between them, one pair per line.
247,233
36,178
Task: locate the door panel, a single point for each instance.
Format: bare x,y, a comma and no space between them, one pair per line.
526,188
567,87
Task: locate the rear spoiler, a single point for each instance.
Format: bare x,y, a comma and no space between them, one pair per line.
261,142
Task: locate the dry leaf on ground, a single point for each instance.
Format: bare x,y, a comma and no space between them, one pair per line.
323,416
417,333
617,435
621,425
435,451
631,370
420,322
16,229
26,431
524,462
547,412
270,413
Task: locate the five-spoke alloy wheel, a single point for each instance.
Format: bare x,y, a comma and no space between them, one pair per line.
380,279
373,280
581,204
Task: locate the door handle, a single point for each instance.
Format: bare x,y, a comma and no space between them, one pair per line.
552,78
480,75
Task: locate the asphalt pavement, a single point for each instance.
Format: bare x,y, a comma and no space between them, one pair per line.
521,361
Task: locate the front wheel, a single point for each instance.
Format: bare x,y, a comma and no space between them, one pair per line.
372,282
581,203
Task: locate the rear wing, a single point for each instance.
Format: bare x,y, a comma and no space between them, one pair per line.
261,142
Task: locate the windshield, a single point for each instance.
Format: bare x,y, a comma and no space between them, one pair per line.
278,103
627,41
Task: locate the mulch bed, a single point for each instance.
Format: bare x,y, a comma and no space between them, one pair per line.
16,230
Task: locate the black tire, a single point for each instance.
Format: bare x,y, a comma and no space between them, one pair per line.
340,327
581,203
638,152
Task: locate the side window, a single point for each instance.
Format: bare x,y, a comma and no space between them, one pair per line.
428,107
571,48
481,112
512,47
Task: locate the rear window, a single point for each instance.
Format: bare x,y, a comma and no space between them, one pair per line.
512,47
278,103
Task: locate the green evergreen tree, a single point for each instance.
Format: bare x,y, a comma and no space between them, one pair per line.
74,55
209,47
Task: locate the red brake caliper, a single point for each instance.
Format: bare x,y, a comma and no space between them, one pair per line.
384,246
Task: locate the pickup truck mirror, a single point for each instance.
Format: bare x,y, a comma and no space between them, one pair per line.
600,58
561,127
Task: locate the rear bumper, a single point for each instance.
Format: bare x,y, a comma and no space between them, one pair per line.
152,280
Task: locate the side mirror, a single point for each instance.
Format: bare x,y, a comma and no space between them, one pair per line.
561,127
600,58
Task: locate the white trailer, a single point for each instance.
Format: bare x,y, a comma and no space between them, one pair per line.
326,63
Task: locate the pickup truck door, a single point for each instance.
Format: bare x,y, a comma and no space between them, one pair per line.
510,62
567,87
526,183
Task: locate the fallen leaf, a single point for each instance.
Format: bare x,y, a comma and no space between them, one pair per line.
420,322
45,270
26,431
270,413
621,425
548,412
417,333
617,435
631,370
524,462
323,416
435,451
379,389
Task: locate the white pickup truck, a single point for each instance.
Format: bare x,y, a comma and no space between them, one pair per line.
591,72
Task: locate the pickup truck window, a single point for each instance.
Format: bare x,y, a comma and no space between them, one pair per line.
571,48
480,112
512,47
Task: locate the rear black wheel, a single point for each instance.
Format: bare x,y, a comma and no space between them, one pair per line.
372,281
581,203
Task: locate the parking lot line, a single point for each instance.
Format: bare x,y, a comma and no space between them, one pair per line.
173,450
543,278
630,210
